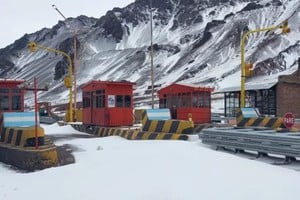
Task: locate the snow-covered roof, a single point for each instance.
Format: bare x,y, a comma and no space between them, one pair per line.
249,86
174,88
8,79
254,83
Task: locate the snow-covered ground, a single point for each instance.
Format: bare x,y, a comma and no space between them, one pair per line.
113,168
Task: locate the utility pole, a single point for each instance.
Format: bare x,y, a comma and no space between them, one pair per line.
151,57
74,61
244,65
68,80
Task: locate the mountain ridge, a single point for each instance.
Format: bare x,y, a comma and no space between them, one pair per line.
195,42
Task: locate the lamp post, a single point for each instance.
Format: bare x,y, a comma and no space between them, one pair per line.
68,80
74,59
285,29
151,56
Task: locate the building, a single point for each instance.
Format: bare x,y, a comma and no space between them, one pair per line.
11,95
107,103
185,101
274,96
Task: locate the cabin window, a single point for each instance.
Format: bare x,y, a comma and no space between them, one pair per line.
183,100
207,101
16,102
179,100
174,101
4,99
201,100
168,101
86,100
100,98
128,101
186,100
163,102
119,101
4,102
268,102
231,103
4,90
264,100
16,91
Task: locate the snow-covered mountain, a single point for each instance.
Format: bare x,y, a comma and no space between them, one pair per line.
195,41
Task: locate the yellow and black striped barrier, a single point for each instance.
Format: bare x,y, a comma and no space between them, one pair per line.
199,127
132,134
22,136
137,134
270,122
142,135
151,129
17,148
166,126
79,127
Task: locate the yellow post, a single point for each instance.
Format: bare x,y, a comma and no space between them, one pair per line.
68,80
243,71
74,60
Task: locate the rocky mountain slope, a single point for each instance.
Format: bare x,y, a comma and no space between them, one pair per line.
195,41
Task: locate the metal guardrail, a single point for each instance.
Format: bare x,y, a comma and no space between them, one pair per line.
218,118
261,141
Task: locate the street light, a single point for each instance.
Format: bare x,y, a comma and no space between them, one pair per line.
151,57
74,59
68,80
245,67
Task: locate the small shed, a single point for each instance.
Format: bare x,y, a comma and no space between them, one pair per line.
185,100
11,95
107,103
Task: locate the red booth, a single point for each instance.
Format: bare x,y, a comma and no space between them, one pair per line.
187,100
11,96
107,103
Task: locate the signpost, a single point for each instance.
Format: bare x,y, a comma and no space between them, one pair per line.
289,120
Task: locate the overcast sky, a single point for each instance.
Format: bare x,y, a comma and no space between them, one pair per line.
19,17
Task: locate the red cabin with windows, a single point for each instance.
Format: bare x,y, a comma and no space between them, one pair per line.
183,100
11,96
107,103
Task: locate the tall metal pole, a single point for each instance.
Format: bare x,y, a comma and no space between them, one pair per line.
243,63
74,61
68,81
75,73
36,117
151,56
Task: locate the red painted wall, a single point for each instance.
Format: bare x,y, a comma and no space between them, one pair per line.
109,115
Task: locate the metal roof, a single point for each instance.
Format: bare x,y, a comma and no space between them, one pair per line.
248,86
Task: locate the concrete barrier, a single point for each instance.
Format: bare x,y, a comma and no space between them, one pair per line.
22,136
131,134
247,120
199,127
17,148
158,120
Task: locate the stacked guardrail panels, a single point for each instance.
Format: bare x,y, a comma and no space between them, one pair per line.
262,141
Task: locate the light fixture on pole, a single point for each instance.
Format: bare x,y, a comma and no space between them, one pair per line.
151,56
74,60
245,67
68,80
